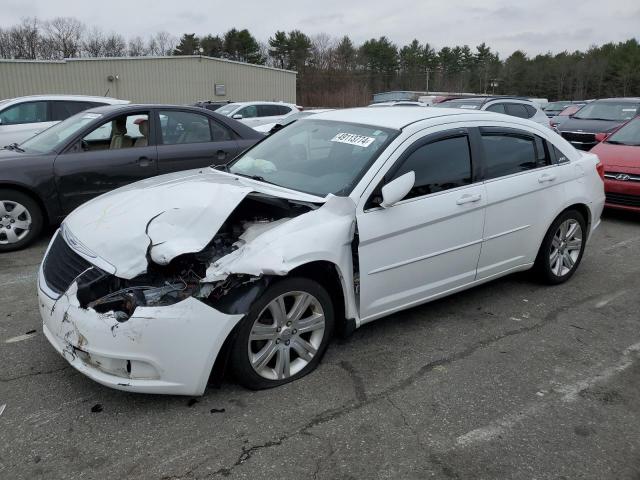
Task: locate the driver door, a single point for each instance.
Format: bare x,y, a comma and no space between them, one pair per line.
428,244
120,151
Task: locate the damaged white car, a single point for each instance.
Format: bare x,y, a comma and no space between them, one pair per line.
332,222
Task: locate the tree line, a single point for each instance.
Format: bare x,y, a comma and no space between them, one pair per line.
337,72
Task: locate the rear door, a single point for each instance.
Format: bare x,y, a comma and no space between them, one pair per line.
114,153
192,140
524,187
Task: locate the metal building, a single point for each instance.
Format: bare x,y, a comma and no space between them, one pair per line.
176,79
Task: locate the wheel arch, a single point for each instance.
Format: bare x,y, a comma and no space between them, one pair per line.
584,210
46,214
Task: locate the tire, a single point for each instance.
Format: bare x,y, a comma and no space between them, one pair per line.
262,334
562,248
17,208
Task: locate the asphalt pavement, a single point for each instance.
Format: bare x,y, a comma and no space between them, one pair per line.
510,380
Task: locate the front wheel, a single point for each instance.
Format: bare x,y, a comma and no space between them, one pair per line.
562,248
21,220
284,335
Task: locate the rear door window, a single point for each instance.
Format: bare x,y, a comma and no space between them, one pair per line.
516,110
509,152
184,127
268,110
496,107
61,110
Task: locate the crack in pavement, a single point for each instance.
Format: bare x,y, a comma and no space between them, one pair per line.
358,383
334,413
34,374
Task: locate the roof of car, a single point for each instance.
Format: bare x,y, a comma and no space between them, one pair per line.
389,117
87,98
136,106
259,102
619,100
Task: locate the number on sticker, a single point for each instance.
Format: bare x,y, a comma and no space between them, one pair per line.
353,139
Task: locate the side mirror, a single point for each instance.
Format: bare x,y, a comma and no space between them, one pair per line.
601,137
397,189
237,116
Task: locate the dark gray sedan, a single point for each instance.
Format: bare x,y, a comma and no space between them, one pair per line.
46,177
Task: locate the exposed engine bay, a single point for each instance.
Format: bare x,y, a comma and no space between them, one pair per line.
183,276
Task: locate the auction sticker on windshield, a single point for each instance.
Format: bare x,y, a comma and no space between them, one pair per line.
353,139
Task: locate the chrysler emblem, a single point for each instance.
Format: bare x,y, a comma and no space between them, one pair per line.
623,177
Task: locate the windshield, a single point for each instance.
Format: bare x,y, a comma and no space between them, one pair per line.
315,156
227,109
627,135
556,105
614,111
469,103
49,139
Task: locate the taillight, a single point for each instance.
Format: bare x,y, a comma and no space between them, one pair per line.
600,169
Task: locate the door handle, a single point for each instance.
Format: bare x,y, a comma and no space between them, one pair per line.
547,177
466,198
144,161
221,155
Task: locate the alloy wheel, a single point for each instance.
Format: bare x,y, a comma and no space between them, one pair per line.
15,222
565,247
286,335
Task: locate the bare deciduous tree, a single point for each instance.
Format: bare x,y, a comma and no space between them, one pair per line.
114,46
136,47
93,43
65,34
165,43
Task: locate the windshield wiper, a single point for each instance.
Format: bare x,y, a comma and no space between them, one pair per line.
253,177
14,146
598,119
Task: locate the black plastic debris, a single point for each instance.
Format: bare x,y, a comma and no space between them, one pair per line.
218,410
97,408
192,402
30,332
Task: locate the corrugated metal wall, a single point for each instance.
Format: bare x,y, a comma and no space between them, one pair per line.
148,79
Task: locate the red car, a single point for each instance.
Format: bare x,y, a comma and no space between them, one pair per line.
619,152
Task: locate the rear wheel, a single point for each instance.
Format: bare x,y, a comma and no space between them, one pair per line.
284,335
562,248
21,220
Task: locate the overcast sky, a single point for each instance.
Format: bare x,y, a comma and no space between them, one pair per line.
533,26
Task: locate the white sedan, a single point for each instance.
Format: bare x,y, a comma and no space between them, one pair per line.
337,220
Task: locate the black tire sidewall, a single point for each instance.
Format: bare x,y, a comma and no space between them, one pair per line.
242,369
542,262
37,219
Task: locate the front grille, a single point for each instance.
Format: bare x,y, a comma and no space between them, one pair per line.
62,266
621,176
580,139
623,199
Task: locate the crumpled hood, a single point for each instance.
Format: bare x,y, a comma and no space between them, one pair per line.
166,216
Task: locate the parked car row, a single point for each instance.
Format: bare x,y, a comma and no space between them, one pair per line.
46,177
23,117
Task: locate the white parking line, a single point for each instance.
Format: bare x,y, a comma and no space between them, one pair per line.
610,298
569,394
21,338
